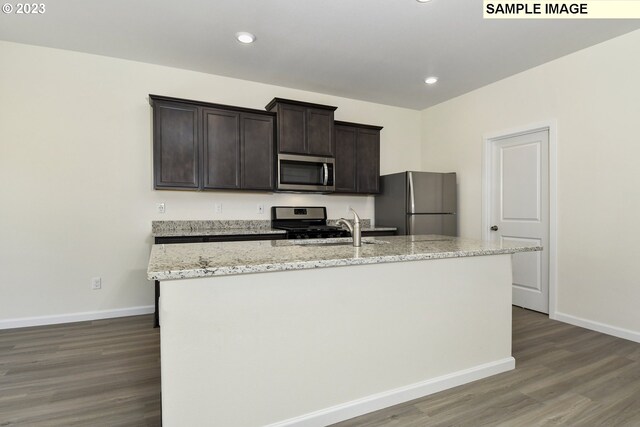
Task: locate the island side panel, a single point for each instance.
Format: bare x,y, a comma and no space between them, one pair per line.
255,349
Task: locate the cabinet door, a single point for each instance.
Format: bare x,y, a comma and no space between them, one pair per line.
320,132
175,146
178,239
368,161
256,133
221,143
345,141
291,129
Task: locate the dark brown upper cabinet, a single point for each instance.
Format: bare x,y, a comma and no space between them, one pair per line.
304,128
357,158
176,149
256,151
221,144
345,139
213,147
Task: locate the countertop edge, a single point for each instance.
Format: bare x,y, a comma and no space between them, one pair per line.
338,262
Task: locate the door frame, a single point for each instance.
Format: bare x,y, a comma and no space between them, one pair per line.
488,141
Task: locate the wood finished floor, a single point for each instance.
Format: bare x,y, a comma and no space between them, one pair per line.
107,373
99,373
564,376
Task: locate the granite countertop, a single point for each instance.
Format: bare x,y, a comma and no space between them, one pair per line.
179,261
229,228
211,228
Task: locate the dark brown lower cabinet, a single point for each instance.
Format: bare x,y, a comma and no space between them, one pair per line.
357,158
378,233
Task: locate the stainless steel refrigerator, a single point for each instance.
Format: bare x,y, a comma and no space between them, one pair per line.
418,203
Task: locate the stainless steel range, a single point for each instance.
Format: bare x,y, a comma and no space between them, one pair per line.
304,222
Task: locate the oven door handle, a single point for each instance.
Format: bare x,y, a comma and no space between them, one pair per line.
325,169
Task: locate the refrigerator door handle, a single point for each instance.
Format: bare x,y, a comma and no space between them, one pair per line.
412,197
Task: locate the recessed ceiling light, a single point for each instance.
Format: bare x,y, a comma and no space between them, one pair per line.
430,80
423,1
244,37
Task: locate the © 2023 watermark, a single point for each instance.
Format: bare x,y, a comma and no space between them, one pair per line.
24,8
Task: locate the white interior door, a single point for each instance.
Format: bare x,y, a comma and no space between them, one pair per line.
520,211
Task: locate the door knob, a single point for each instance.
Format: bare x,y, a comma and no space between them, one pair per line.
494,228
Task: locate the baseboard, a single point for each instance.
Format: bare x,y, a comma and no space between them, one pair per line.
388,398
627,334
24,322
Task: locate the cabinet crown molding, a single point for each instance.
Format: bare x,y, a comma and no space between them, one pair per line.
275,101
160,98
357,125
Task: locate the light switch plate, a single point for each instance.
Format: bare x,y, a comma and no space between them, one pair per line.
260,209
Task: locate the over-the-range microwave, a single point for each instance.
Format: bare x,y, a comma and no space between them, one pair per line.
306,173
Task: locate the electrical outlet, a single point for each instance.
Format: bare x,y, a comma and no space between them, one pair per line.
161,208
261,209
218,207
348,209
96,283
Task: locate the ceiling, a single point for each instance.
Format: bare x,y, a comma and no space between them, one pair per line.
372,50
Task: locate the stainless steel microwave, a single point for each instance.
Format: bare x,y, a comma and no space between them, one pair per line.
306,173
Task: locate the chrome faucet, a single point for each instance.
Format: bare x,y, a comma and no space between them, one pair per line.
353,229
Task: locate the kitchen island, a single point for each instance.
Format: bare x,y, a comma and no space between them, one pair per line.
311,332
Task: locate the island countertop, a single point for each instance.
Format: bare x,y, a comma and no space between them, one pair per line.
180,261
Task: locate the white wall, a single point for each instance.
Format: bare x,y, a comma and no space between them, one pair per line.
309,348
594,96
76,199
